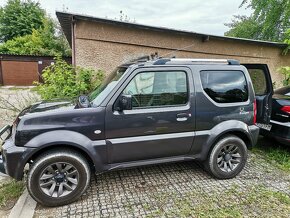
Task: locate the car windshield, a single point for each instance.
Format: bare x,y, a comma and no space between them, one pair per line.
283,91
99,94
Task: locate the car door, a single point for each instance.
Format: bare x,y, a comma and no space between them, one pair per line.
161,122
263,88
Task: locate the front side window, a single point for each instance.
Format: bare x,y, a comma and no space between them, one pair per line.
157,89
225,86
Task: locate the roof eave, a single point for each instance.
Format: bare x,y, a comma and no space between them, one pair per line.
66,19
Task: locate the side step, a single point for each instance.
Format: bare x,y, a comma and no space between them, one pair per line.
150,162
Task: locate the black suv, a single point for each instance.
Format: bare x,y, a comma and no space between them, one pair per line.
153,112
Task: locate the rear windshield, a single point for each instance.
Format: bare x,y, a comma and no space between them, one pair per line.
283,91
225,86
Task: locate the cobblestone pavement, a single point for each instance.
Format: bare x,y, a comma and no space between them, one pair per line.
181,189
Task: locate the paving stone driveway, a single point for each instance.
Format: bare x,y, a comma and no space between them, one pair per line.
165,190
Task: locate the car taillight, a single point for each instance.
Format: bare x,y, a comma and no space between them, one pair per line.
255,112
286,109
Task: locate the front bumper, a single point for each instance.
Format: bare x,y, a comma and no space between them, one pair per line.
13,159
2,168
5,132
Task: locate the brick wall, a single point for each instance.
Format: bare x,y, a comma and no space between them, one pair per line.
105,46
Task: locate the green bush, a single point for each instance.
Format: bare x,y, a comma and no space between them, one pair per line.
62,80
286,72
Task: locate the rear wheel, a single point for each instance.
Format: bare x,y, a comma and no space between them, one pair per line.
227,158
58,177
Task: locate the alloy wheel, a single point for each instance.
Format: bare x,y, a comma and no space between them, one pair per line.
59,179
229,158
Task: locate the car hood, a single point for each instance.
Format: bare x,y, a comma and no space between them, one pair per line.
46,106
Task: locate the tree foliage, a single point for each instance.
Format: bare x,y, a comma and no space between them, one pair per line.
25,29
43,41
286,72
269,21
62,80
287,40
19,18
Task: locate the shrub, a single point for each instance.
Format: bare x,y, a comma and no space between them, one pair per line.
62,80
286,72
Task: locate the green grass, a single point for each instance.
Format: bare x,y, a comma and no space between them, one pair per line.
15,88
233,202
273,151
10,191
34,89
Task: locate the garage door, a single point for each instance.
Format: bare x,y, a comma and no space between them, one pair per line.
19,73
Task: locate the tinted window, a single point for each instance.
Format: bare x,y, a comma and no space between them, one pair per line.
283,91
225,86
151,89
259,81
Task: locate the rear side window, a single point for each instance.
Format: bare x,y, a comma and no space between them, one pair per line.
225,86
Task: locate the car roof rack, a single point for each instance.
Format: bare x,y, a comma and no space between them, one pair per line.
163,61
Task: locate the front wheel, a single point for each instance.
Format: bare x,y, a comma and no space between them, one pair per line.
227,158
58,177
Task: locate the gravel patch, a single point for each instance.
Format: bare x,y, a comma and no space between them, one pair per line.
19,97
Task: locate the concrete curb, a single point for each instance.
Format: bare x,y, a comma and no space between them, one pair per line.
24,207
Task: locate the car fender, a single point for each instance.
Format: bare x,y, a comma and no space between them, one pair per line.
204,140
94,149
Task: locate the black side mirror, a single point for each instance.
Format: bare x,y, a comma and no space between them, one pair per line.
124,102
83,101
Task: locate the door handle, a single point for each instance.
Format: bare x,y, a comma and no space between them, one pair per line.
183,117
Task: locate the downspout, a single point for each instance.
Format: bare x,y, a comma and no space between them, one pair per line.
73,26
1,73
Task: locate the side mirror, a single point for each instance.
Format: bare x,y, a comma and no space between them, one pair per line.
124,102
83,101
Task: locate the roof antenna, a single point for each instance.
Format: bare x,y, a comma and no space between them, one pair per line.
176,50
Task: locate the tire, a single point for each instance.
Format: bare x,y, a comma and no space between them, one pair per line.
227,158
58,177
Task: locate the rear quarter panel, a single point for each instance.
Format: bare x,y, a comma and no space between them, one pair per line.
215,119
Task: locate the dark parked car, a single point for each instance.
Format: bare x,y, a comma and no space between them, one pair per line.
279,127
159,111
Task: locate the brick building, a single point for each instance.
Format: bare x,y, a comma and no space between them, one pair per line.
105,44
